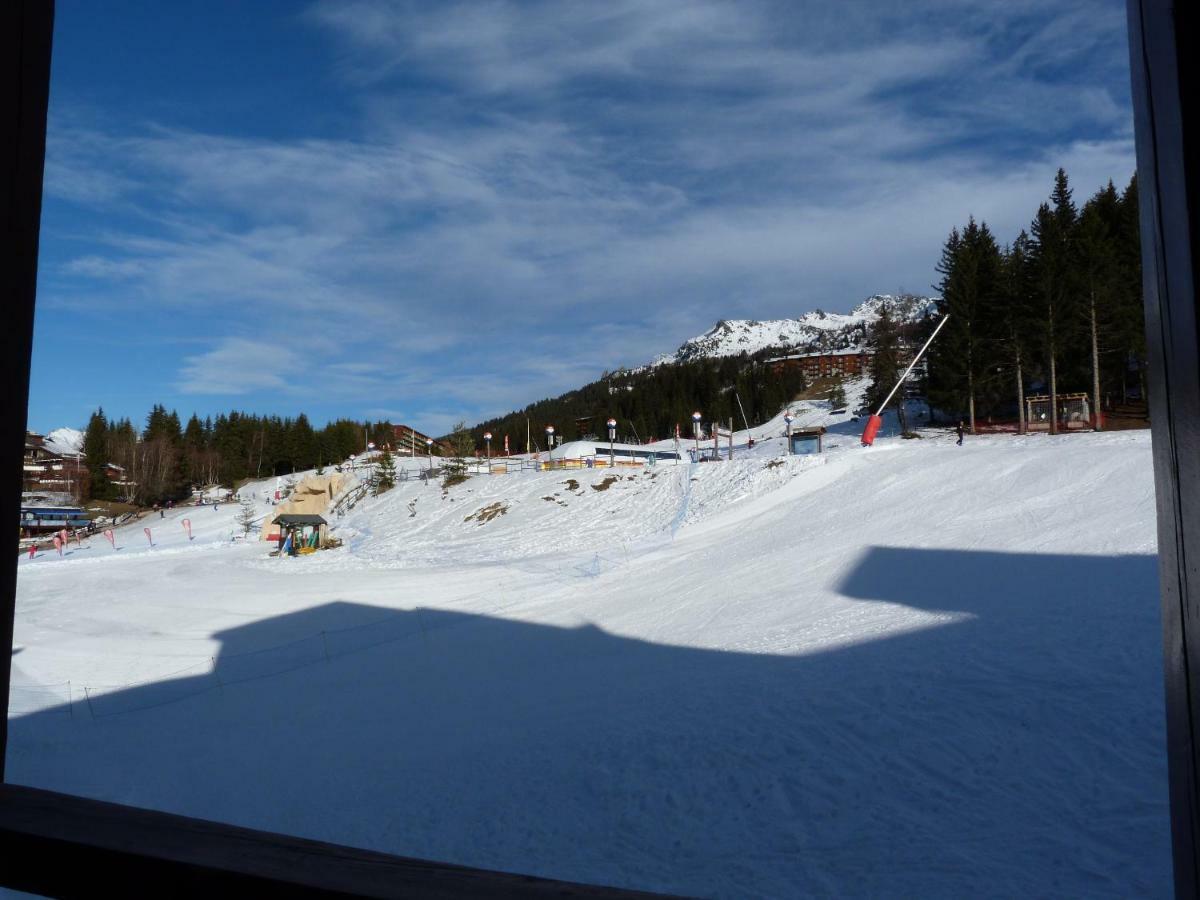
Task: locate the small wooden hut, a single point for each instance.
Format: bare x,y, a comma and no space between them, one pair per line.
307,530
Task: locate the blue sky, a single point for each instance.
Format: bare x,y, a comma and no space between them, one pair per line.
439,211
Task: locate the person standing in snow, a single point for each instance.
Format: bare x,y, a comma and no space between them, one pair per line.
960,433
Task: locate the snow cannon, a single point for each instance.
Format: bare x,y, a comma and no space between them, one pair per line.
873,425
876,421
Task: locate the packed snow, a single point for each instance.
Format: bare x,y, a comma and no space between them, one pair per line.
916,669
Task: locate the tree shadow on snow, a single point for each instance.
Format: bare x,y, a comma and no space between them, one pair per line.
1012,746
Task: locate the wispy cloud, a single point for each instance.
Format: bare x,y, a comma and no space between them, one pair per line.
540,191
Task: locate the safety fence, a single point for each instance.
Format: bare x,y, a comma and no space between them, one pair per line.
349,498
502,466
75,534
593,462
82,700
1013,426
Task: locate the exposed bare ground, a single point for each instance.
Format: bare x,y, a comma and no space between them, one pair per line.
488,513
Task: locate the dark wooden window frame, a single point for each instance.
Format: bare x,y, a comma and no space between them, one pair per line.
63,845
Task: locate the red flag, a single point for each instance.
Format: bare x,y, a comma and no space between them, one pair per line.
112,538
150,539
58,544
187,525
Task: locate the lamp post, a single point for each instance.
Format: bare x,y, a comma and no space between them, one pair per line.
487,440
787,418
612,434
696,432
549,445
429,447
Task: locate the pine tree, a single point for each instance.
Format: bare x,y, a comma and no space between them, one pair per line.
971,282
1129,313
885,359
96,451
385,477
247,515
1051,251
1015,315
462,445
1097,259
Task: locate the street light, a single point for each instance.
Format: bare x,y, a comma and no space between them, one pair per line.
787,417
487,439
696,432
429,447
549,445
612,434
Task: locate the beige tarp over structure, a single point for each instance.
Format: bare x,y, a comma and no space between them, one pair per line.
313,495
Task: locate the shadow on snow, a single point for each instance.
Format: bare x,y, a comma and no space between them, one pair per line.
1016,749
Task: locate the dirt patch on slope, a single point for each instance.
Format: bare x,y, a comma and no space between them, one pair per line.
485,515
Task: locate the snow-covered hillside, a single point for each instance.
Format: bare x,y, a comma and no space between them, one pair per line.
911,670
65,441
813,331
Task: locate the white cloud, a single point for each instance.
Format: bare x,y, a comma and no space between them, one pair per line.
239,366
579,186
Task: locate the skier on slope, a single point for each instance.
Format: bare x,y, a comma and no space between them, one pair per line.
960,433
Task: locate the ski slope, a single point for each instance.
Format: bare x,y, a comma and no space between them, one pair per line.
910,670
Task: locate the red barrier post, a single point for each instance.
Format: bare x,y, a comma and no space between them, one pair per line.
873,425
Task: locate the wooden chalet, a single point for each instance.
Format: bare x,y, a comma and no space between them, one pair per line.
825,363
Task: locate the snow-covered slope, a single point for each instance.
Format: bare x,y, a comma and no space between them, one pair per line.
911,670
813,331
65,441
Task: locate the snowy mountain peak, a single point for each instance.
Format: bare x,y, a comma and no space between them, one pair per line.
65,441
816,330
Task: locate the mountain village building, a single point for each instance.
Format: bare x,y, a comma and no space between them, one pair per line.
848,363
